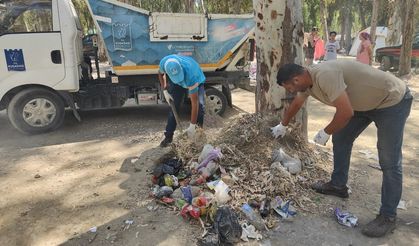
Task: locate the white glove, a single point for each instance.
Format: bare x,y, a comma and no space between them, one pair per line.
279,130
321,137
167,96
191,130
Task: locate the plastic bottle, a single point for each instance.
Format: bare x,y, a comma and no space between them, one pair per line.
253,217
265,207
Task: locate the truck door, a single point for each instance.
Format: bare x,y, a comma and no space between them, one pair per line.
30,44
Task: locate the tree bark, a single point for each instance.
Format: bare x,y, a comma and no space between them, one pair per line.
362,15
189,6
279,38
323,17
406,51
348,26
394,24
235,6
374,18
342,27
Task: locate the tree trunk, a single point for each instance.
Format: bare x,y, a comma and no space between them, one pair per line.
342,27
406,52
374,18
279,38
348,26
362,15
189,6
235,6
395,24
323,18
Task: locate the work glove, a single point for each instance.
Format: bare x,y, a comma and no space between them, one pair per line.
191,130
321,137
279,130
167,96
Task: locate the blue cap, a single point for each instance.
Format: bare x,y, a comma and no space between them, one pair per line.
173,68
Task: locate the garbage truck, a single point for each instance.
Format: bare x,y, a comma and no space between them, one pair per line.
46,65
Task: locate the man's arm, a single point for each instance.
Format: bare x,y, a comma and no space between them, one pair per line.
194,107
344,113
295,105
162,79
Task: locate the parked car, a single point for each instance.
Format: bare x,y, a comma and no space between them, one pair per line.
389,57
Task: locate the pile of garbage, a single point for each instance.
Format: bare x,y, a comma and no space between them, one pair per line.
242,181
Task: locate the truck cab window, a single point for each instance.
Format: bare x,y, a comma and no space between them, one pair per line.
25,17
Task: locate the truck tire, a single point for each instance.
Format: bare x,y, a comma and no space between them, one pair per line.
385,63
36,110
216,101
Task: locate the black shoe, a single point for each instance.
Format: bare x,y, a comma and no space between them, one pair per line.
329,189
380,226
166,142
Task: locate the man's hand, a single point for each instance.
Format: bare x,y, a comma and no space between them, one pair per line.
321,137
167,96
191,130
279,130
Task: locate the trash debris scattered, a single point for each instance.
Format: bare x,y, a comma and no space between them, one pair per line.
210,239
410,223
249,232
134,160
346,218
128,223
93,229
265,207
253,218
227,226
205,151
403,205
283,208
163,191
212,155
208,181
293,165
221,193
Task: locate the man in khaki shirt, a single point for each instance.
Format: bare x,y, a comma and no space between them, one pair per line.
361,95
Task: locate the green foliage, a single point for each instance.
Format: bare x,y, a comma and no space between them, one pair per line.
85,17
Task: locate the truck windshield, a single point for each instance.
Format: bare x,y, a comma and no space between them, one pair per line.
17,16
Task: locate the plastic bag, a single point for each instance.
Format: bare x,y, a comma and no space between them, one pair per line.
221,192
346,218
227,226
292,164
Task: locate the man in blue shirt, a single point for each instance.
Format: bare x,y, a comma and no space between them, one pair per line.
185,77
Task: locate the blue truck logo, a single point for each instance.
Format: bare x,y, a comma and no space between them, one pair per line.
15,60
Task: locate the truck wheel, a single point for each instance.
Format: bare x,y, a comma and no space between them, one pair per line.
216,101
36,110
385,63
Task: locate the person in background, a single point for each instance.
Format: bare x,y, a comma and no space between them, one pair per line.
318,49
186,77
310,45
364,54
332,47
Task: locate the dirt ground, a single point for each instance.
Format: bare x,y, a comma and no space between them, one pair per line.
56,187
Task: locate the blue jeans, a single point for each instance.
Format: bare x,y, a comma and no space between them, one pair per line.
390,124
178,93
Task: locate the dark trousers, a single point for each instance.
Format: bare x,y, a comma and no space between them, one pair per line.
390,124
178,93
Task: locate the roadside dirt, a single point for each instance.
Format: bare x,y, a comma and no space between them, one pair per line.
55,187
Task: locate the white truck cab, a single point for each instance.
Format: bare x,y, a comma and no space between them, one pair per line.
41,47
